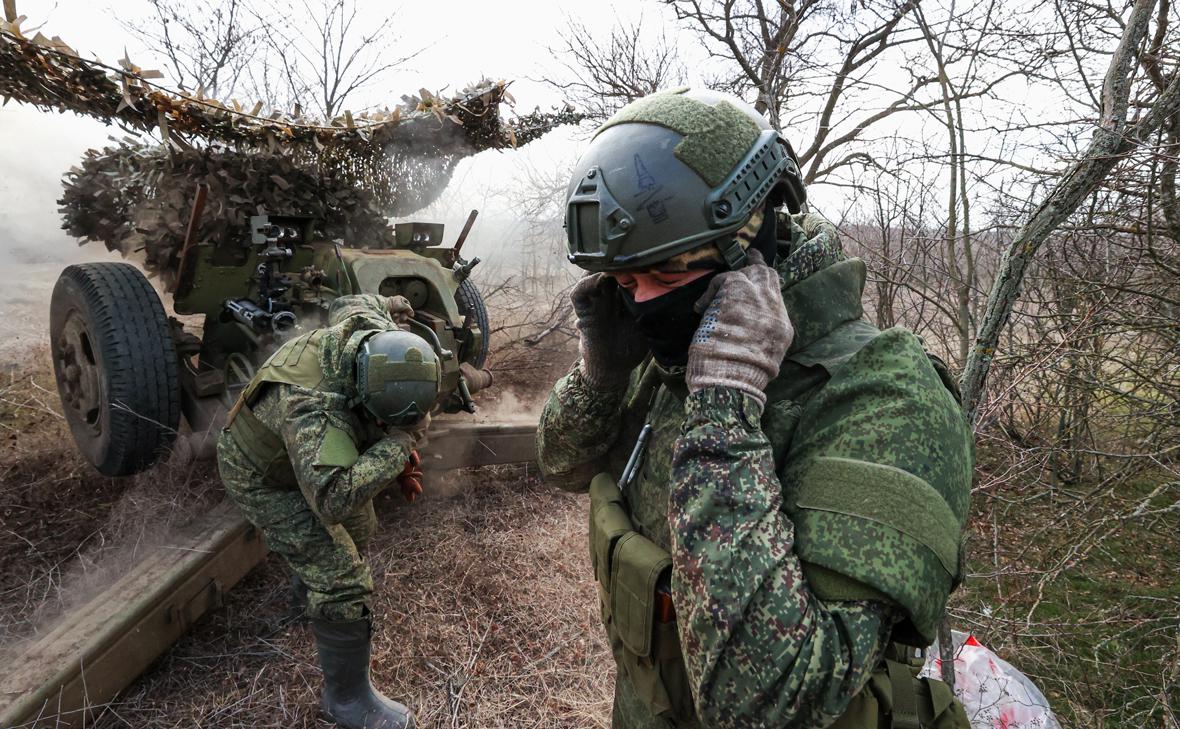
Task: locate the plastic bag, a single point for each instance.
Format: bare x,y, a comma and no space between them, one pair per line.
995,695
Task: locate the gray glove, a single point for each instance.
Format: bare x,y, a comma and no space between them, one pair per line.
609,343
744,333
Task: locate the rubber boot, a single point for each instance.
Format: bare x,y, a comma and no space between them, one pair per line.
348,698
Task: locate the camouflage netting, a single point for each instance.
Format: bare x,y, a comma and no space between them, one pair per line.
355,171
137,199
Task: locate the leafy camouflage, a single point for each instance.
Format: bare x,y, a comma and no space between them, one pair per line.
318,517
351,172
136,197
49,74
761,648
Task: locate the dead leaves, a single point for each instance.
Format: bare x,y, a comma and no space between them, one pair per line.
135,198
47,73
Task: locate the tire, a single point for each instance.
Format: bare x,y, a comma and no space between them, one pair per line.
116,366
471,304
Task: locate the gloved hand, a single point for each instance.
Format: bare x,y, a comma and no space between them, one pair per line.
410,479
744,333
399,309
609,344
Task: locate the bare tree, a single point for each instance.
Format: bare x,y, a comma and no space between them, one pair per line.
326,56
1114,138
604,76
208,44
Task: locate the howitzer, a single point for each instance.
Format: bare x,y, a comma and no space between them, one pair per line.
110,334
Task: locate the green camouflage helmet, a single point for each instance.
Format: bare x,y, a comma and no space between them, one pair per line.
397,376
671,172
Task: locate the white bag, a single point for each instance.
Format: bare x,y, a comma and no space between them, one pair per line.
995,695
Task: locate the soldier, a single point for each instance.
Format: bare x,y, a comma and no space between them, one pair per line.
329,421
777,488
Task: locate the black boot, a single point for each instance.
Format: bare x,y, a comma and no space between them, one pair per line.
349,699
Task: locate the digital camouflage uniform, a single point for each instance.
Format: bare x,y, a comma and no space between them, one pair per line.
760,508
314,509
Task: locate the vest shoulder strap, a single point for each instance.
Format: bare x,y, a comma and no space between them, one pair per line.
297,362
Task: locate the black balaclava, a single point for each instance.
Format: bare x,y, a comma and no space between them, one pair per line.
668,322
765,241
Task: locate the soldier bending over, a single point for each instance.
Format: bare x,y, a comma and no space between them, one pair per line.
329,421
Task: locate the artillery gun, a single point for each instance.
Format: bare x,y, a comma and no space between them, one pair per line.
128,374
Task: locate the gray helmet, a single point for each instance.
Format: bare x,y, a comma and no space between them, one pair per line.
397,376
671,172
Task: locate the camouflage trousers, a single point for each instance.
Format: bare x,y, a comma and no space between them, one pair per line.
327,557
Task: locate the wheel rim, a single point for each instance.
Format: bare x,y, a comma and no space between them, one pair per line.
239,370
79,376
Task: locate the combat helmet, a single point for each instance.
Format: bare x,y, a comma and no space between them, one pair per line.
674,171
397,376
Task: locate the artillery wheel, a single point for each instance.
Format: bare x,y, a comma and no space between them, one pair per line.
115,364
471,304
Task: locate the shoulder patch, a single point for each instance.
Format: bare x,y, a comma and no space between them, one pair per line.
337,450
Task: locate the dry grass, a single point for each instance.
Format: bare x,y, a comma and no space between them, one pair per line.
65,530
486,612
486,617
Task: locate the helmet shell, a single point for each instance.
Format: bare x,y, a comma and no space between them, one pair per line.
671,172
398,375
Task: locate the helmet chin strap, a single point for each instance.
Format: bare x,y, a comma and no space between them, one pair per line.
765,241
733,253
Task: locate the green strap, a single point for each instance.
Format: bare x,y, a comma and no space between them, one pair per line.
905,697
886,495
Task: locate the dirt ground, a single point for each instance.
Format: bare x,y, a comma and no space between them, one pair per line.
486,612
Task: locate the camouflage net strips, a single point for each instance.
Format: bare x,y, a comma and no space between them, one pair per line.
353,170
136,199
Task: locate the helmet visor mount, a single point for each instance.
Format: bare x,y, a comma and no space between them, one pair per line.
597,224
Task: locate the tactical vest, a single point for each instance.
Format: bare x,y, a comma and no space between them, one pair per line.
297,362
633,572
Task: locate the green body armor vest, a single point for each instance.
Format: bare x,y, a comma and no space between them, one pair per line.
297,362
834,503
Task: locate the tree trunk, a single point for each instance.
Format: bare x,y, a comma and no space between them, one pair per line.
1112,140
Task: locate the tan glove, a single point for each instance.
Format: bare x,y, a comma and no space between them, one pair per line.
399,310
610,344
744,333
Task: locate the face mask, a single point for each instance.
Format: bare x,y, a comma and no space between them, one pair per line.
668,322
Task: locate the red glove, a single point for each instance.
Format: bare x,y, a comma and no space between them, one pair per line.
410,479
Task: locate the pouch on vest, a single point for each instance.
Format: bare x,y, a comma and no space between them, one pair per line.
895,698
629,568
608,522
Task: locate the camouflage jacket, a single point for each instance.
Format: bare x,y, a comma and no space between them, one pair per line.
338,457
715,490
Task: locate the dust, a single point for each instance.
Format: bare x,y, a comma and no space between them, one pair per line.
511,404
146,513
36,149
